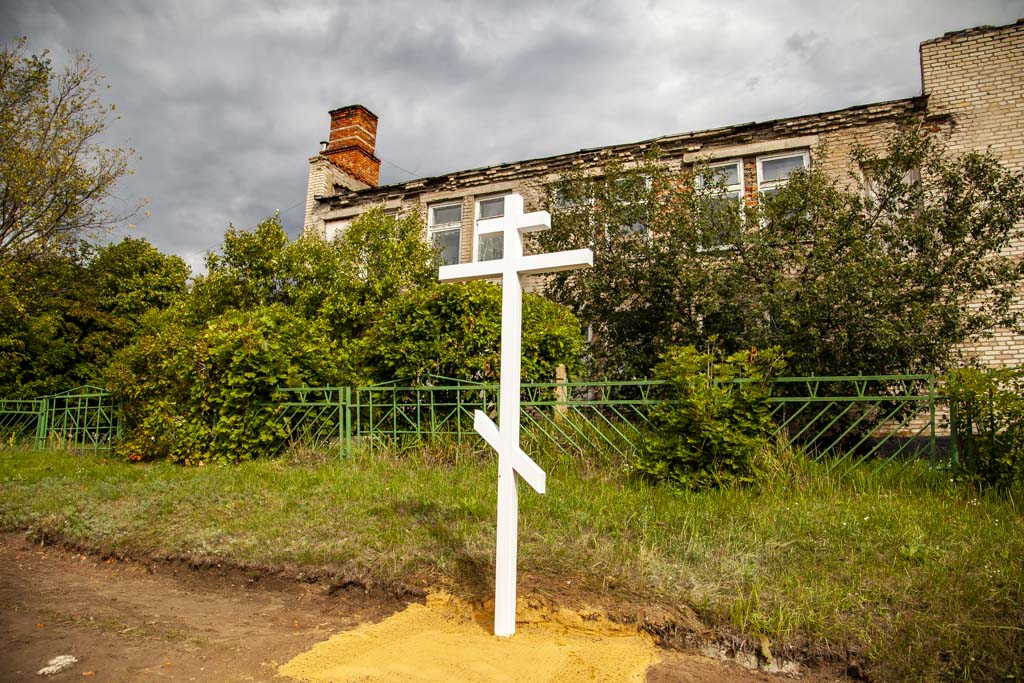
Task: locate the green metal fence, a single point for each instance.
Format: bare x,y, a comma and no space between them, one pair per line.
85,418
21,423
570,417
885,417
844,419
316,417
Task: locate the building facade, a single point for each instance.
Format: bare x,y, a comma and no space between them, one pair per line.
972,84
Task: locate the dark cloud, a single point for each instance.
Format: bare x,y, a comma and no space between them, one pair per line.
226,101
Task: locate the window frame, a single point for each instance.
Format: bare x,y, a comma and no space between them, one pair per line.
765,186
738,163
739,187
434,228
487,226
644,230
869,182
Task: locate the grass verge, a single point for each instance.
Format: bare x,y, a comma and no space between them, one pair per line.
911,577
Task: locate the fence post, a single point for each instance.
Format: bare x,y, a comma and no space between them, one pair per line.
41,424
348,421
561,394
954,436
931,405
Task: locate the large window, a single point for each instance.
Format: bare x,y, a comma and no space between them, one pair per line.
723,183
633,194
773,171
445,230
490,245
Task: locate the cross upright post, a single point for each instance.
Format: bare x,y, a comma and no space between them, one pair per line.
504,437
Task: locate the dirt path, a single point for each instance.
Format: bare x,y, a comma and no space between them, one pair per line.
126,621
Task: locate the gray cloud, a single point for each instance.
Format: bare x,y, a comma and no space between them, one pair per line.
225,101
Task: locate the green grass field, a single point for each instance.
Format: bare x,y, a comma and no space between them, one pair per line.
917,577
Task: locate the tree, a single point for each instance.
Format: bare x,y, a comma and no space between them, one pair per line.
54,174
454,330
41,321
64,314
887,275
640,288
347,283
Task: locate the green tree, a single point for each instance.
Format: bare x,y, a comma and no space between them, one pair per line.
42,318
885,276
347,284
65,313
381,258
454,330
716,422
54,174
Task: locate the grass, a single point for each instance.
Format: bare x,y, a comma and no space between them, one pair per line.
911,577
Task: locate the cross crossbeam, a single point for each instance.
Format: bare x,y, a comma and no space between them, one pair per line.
504,437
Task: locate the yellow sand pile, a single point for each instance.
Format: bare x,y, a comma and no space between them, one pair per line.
447,641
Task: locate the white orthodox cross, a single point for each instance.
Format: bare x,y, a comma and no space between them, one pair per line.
504,438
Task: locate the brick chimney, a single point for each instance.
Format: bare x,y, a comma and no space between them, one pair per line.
352,142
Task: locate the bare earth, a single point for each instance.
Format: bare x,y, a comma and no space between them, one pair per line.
129,621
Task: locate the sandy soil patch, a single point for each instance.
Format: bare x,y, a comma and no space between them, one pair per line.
447,640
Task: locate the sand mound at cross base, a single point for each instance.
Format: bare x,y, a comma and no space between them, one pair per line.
446,641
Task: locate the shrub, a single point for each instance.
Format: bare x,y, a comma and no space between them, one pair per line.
454,330
715,421
987,424
196,396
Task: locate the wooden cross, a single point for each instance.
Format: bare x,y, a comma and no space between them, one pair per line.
504,437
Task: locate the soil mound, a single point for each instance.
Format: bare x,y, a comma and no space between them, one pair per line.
448,639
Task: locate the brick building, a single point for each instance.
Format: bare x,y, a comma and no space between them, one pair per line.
972,84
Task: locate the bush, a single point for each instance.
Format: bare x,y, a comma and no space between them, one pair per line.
715,421
454,330
196,396
987,424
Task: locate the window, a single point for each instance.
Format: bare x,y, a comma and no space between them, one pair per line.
333,230
724,201
444,228
773,171
874,184
730,175
632,193
490,243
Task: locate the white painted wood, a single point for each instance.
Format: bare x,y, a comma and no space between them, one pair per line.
504,437
523,465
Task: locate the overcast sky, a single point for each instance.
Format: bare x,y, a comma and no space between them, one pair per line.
225,101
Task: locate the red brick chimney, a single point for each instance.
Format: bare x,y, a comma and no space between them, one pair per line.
352,142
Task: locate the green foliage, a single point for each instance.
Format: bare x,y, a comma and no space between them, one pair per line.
274,313
629,297
716,420
198,396
987,423
64,314
346,284
882,276
455,331
54,176
41,325
382,257
248,272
